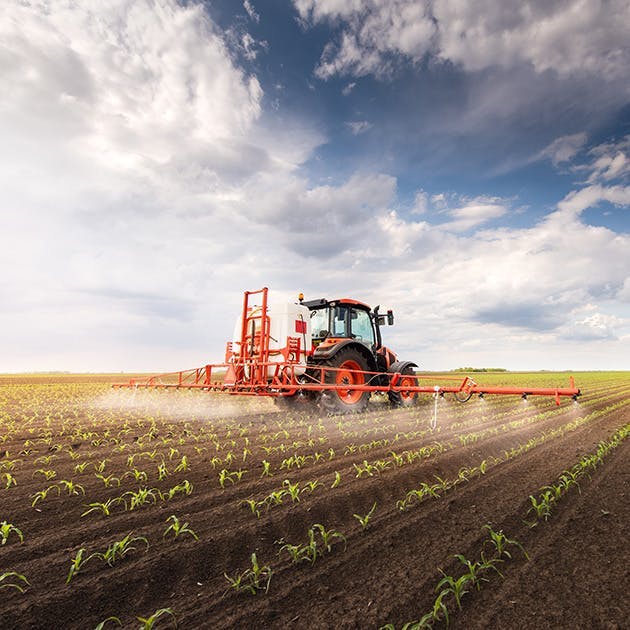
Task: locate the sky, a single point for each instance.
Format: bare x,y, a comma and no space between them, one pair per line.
465,164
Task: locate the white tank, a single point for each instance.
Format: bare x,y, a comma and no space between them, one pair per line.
286,320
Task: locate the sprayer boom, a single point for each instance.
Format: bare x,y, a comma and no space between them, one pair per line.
328,352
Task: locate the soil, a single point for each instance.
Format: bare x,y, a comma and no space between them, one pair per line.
575,576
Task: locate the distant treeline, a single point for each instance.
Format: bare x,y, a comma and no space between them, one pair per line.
473,369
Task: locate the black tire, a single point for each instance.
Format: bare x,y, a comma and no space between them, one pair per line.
345,401
402,398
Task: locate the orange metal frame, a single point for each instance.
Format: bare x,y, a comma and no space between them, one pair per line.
250,371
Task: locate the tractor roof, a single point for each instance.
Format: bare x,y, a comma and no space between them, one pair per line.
322,302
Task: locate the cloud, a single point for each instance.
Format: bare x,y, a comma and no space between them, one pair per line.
596,327
249,7
567,38
358,126
579,200
610,161
474,213
563,149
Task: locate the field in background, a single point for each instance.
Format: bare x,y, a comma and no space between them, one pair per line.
354,520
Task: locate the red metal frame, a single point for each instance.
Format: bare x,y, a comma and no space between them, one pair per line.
249,371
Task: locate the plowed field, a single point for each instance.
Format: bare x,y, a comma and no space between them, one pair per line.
248,478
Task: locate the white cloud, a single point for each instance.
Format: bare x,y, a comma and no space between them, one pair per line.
579,200
474,213
249,7
358,126
574,37
563,149
420,203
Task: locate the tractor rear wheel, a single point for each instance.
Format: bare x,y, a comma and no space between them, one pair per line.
403,398
350,369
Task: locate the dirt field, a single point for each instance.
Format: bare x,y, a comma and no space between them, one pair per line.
80,443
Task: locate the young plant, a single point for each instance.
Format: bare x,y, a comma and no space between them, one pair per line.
266,469
78,562
11,579
455,586
337,480
365,520
177,528
149,622
102,624
6,529
500,542
105,508
121,548
253,580
71,487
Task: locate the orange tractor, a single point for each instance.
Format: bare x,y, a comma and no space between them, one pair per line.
324,352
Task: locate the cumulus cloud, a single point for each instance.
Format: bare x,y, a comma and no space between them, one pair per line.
567,38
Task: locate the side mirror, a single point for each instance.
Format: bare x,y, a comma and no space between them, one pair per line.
390,317
380,319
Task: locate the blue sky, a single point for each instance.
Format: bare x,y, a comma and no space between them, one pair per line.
463,163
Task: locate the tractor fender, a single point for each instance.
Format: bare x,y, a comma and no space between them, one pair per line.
331,351
401,366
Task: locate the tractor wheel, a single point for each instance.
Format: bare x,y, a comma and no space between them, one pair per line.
351,366
403,398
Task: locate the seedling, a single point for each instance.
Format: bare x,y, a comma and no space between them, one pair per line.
177,528
105,507
500,542
121,548
337,480
11,579
78,562
253,580
102,624
6,529
149,622
455,586
364,520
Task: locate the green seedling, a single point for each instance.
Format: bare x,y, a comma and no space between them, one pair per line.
6,529
103,623
11,579
78,562
10,480
121,548
178,528
253,580
365,520
455,586
149,622
337,480
71,487
105,508
500,542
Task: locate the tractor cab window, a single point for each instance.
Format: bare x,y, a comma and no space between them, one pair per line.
339,317
362,329
319,323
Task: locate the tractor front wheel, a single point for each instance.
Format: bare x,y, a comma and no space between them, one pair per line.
350,367
403,398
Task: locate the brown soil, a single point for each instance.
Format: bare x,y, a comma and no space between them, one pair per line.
576,575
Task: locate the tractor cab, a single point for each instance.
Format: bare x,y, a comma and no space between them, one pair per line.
343,319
